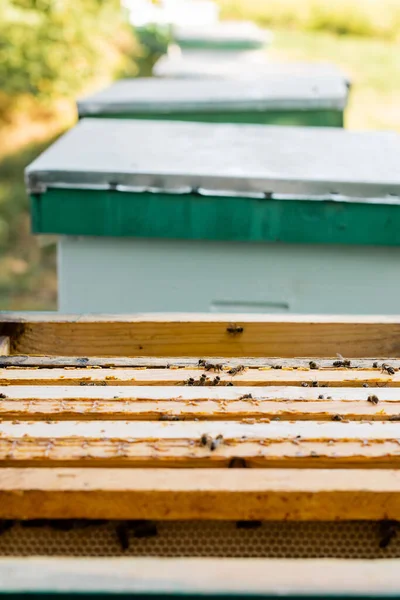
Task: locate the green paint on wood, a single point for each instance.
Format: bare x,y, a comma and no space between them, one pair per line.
191,216
313,118
223,45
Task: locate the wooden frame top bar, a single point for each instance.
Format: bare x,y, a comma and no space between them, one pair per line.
198,335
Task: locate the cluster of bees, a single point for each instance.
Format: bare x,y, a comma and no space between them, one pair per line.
217,368
346,363
210,442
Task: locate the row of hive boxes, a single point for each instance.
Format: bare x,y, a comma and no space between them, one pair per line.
180,194
220,72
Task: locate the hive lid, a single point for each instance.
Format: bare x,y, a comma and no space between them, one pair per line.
219,158
199,67
272,92
224,35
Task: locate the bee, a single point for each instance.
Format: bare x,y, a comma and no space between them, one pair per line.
216,380
216,442
388,531
237,463
314,384
169,418
277,367
365,385
143,529
230,384
189,381
236,370
2,396
205,439
246,397
304,384
5,526
321,397
375,365
387,369
342,362
373,399
211,367
234,329
202,380
313,364
248,524
122,532
337,418
394,418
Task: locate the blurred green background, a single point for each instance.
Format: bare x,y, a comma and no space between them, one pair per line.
53,50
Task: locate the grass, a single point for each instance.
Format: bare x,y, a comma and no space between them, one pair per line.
28,265
373,65
368,18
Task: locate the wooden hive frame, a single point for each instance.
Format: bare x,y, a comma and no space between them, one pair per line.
113,417
99,419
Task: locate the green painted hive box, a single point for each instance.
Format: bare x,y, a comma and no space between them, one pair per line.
273,99
195,217
173,65
222,36
224,43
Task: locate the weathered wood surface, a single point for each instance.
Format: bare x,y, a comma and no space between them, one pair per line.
202,335
121,409
141,376
268,494
152,403
179,444
167,362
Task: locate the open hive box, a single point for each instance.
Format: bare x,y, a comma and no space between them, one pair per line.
181,442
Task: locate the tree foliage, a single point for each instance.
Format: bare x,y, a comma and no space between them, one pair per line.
53,48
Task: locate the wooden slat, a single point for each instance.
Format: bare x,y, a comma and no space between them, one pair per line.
193,430
154,444
202,335
24,360
202,576
270,494
256,377
215,403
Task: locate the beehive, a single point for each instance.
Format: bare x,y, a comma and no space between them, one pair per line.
197,217
273,99
205,441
